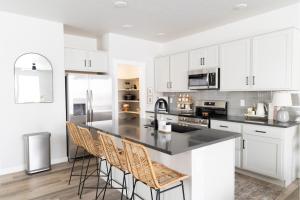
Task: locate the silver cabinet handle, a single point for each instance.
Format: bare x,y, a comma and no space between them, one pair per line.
169,119
247,80
203,61
257,131
243,144
90,63
171,84
222,126
84,63
253,80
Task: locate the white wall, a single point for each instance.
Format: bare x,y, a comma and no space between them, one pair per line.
267,22
132,51
79,42
19,35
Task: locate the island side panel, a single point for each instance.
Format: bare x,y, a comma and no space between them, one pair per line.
213,172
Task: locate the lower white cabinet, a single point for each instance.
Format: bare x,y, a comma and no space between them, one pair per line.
262,155
265,150
162,116
232,127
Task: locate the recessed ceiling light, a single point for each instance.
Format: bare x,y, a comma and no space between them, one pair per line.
127,26
240,6
120,4
160,34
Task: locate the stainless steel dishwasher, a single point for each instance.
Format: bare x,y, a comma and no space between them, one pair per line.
37,152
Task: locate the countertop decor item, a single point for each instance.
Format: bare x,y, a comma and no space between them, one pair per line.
281,100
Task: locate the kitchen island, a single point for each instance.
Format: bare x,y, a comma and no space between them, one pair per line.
206,155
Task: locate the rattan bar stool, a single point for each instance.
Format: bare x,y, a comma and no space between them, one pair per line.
155,175
75,137
94,148
116,158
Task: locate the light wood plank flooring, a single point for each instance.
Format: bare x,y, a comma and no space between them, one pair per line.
53,185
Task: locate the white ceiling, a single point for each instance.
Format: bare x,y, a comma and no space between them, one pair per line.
175,18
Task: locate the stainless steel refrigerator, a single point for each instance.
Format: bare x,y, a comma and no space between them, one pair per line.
88,99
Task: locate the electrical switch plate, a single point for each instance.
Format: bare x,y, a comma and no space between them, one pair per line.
242,102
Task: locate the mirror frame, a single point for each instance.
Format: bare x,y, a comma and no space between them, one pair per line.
52,93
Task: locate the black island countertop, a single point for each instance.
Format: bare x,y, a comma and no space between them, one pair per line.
240,119
170,143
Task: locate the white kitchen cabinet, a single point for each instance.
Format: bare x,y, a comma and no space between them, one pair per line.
162,116
272,61
235,65
179,64
232,127
162,73
171,73
262,155
98,61
266,150
204,57
81,60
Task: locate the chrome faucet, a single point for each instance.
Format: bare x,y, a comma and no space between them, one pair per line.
156,107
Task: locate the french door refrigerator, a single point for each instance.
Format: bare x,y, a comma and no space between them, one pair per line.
88,99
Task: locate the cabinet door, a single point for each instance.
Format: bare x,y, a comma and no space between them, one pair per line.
272,61
179,71
98,61
235,65
232,127
75,59
197,59
211,58
162,74
262,155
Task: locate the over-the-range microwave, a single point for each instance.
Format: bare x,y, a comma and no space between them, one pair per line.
204,79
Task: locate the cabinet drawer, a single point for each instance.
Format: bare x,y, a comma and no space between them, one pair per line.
264,131
226,126
170,118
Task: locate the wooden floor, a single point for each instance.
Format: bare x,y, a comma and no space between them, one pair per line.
53,185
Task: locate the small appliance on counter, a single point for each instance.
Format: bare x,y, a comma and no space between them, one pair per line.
257,112
161,106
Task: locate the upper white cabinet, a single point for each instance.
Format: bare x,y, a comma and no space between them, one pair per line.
235,65
81,60
171,73
272,61
204,57
265,62
162,73
179,64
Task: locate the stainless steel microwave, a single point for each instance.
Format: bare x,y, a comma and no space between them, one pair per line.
203,79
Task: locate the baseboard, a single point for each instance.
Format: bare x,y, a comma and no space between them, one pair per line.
11,170
22,168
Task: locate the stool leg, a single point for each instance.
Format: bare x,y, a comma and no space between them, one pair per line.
151,194
81,172
157,194
133,188
123,186
105,187
182,187
86,171
97,165
73,165
98,180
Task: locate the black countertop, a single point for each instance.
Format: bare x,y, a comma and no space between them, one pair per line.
273,123
240,119
170,143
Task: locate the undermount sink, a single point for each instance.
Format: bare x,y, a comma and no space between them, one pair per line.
183,129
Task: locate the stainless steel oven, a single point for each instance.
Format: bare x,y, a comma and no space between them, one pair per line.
207,78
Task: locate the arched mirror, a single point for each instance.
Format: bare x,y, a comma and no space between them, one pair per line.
33,79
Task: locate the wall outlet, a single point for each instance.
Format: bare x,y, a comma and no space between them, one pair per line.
171,100
242,102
